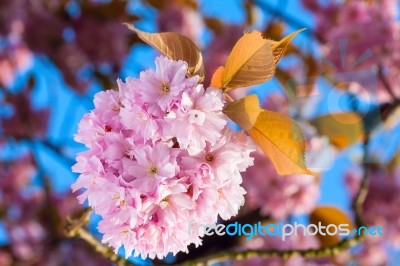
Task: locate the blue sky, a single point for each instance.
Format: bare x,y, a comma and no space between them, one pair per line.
68,107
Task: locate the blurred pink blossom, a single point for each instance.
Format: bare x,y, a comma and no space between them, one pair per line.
181,19
25,121
370,41
278,196
219,49
380,206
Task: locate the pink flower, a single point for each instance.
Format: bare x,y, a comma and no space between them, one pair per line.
140,121
199,119
217,159
162,88
160,155
182,19
152,167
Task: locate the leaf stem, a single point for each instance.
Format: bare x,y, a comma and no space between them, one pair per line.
228,97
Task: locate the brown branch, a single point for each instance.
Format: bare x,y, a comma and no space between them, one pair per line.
285,254
74,224
386,84
104,250
75,228
215,243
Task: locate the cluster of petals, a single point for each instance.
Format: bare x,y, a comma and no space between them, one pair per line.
371,41
373,27
160,159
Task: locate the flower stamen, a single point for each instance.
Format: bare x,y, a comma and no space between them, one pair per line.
153,170
165,88
210,158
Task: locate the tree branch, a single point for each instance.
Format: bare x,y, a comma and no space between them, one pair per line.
103,250
74,228
215,243
386,84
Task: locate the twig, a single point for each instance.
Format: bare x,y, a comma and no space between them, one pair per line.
386,84
74,228
74,224
105,251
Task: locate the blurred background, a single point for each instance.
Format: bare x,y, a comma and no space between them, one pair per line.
338,81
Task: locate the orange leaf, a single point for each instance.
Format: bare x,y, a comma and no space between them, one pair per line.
176,47
280,47
343,129
244,112
216,80
329,215
250,62
282,141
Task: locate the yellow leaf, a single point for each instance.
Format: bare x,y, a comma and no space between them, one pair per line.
279,48
216,80
282,141
330,215
250,62
244,112
176,47
343,129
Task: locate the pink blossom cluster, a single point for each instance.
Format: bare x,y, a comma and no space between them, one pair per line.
160,156
372,38
68,38
373,27
25,121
